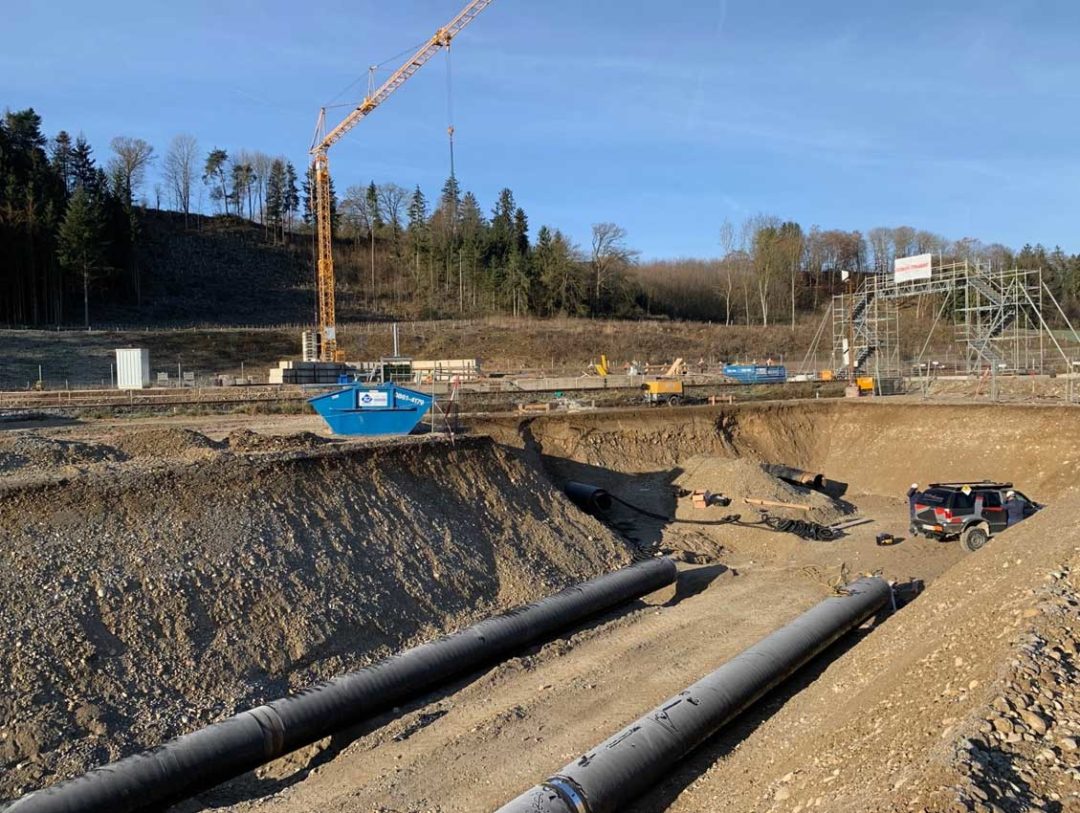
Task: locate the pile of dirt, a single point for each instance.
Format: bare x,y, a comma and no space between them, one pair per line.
740,479
141,603
27,451
244,440
167,443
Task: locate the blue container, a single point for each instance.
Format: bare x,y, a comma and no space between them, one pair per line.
756,373
364,410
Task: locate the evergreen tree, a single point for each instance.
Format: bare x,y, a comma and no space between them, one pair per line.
562,278
502,238
84,171
521,232
34,197
516,284
214,176
417,230
308,187
243,180
450,199
309,199
83,244
472,227
61,160
276,212
291,194
371,200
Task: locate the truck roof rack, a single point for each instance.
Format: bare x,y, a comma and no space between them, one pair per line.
973,484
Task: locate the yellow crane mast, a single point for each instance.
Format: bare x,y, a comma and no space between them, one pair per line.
327,325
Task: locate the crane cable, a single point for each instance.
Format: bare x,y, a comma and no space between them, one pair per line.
450,107
372,70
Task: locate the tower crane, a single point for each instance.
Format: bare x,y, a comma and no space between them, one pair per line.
325,139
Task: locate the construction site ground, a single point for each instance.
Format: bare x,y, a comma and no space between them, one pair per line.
162,573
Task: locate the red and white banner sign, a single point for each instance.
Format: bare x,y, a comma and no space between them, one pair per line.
908,269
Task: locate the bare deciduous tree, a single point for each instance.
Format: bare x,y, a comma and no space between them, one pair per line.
392,199
261,163
610,255
179,169
128,165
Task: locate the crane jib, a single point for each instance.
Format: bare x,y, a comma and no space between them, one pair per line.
322,143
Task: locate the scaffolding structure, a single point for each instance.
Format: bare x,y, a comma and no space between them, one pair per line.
866,333
999,317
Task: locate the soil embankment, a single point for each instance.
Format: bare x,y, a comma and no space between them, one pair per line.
144,596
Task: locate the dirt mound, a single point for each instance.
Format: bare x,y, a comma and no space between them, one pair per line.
244,440
166,443
36,453
741,479
139,604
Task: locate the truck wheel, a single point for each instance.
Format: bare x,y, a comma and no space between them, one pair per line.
673,400
974,538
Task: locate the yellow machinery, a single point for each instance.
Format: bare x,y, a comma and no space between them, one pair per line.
863,385
602,368
324,140
663,390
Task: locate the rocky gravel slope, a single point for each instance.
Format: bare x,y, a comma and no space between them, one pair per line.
142,598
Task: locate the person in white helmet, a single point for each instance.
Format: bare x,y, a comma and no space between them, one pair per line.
1014,508
912,494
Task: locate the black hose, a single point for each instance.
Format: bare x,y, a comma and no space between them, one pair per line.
803,528
185,766
620,770
642,511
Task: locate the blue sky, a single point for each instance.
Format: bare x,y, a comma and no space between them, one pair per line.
667,118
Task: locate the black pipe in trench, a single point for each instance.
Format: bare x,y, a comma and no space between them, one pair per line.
197,761
624,767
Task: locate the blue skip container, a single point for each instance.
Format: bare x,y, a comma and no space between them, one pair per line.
756,373
364,410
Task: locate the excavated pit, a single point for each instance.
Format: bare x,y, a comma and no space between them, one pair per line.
146,596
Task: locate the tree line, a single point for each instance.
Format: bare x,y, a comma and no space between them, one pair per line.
70,224
65,220
772,271
407,254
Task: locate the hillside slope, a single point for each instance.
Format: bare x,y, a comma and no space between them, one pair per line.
215,271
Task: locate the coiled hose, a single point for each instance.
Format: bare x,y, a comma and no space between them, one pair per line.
802,528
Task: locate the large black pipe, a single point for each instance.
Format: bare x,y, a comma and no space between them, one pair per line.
619,770
588,497
197,761
798,477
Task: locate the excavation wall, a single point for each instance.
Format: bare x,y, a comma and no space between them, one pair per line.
877,447
141,599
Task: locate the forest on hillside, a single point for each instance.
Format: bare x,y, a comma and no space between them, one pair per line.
72,230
